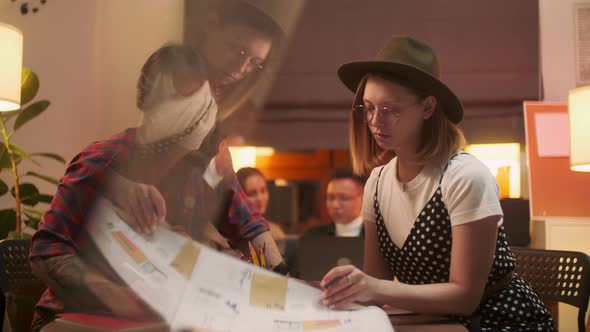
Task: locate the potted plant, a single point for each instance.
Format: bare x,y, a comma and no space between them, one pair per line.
26,194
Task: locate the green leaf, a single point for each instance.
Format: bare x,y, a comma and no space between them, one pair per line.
3,188
4,158
29,194
30,113
19,236
42,177
7,222
29,86
49,155
43,198
32,213
22,154
33,223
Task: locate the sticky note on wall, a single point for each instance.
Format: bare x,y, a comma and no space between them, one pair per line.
553,134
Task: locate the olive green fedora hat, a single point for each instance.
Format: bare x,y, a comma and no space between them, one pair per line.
409,60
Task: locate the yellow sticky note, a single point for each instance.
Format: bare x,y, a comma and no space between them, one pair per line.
186,259
268,291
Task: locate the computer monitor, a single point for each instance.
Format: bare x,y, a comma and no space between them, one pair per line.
316,255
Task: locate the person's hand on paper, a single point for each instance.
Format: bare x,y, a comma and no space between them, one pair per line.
140,205
223,161
216,240
345,287
146,206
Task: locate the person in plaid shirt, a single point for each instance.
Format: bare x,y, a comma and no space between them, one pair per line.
152,173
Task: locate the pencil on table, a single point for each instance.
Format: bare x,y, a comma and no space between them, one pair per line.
262,257
253,254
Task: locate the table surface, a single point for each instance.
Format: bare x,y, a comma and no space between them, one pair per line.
401,323
424,323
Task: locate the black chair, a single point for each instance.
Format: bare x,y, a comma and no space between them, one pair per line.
20,288
562,276
517,221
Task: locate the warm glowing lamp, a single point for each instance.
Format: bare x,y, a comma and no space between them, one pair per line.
579,114
503,160
243,156
11,61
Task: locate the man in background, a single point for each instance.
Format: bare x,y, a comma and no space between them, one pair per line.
344,199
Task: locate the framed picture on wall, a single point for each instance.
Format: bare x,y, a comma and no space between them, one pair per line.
582,43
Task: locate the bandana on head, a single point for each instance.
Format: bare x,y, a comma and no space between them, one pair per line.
175,114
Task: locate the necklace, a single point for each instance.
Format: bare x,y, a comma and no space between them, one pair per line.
147,151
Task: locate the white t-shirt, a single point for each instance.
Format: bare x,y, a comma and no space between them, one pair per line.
469,191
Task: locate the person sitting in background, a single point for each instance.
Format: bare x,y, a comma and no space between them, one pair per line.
254,184
344,199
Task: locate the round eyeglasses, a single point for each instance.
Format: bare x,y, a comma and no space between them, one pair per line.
387,112
252,64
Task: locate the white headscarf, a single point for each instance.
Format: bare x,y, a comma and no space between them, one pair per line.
166,114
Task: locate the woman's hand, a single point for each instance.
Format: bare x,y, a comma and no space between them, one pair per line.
146,207
140,205
347,286
223,161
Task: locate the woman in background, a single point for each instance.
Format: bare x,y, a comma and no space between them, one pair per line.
254,184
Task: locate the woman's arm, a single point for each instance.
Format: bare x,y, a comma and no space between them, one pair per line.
84,288
471,260
373,263
56,247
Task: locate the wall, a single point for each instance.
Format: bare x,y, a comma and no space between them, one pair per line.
87,55
557,35
59,46
128,32
488,52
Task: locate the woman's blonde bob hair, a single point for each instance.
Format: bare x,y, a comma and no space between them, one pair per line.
440,137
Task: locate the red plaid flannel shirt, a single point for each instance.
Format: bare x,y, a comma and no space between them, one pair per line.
61,230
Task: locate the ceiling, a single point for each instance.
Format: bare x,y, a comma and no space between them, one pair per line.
489,52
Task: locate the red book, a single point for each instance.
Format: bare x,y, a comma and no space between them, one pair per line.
94,323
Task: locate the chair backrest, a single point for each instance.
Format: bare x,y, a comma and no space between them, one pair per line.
20,287
562,276
15,272
516,221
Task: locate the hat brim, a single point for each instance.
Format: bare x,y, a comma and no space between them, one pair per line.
352,73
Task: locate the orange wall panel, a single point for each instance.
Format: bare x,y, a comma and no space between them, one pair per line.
555,190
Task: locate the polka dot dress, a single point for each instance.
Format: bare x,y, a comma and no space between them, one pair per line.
425,258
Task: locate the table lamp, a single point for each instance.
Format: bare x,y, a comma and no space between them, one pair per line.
11,59
579,115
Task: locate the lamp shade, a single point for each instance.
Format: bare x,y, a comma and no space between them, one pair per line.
11,62
579,115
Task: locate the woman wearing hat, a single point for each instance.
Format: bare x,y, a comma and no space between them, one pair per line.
432,213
